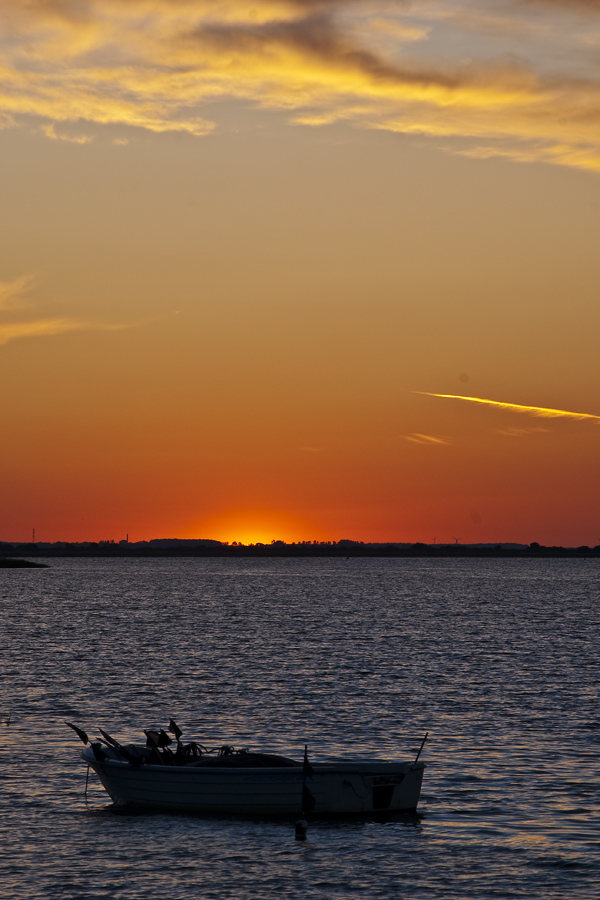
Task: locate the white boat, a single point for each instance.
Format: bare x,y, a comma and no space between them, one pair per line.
241,782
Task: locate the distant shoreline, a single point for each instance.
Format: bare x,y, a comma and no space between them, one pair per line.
278,549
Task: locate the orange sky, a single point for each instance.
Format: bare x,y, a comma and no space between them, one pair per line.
244,247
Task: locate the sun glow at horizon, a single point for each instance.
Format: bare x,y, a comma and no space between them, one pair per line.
255,527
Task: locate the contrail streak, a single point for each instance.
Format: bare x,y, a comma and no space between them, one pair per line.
540,411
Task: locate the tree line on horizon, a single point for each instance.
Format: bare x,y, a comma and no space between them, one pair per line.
342,548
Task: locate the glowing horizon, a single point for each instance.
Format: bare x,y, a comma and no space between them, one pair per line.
252,526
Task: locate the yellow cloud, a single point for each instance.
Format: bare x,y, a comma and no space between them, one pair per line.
11,299
541,411
519,432
156,64
50,131
52,327
40,328
424,439
559,154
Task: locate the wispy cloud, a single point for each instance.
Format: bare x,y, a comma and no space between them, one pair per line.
541,411
519,432
50,131
11,292
424,439
587,6
37,328
411,68
22,318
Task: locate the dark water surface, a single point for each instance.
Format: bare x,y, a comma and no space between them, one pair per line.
497,659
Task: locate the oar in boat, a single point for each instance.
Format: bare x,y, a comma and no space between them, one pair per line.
79,732
163,739
127,755
180,754
157,741
163,742
151,738
98,752
175,729
96,746
109,740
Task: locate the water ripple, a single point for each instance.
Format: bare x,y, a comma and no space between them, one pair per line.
497,659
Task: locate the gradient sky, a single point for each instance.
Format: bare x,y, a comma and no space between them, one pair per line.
254,253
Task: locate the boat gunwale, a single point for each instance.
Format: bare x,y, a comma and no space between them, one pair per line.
360,767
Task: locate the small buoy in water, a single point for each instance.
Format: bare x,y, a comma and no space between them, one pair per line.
301,827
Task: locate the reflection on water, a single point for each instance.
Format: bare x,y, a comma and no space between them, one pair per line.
497,659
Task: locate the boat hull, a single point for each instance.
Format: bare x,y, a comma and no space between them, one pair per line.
336,788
